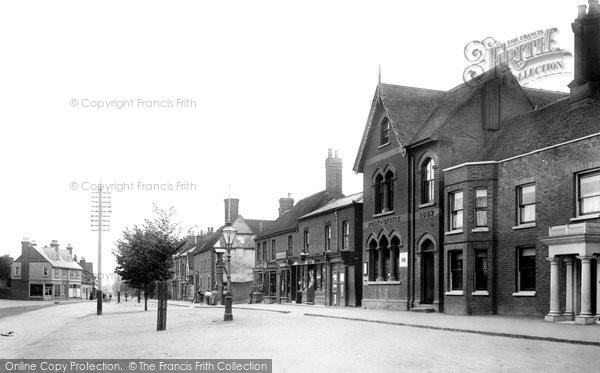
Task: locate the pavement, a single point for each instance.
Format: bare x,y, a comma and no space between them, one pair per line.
298,338
534,328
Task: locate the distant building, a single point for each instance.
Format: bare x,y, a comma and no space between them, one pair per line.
88,280
196,263
46,273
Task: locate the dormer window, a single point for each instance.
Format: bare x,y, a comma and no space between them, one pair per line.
384,131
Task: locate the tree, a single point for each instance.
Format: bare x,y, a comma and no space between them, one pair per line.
5,263
145,254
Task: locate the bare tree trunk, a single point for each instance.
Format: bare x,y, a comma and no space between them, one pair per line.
145,297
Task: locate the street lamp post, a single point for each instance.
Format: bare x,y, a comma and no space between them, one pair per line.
229,234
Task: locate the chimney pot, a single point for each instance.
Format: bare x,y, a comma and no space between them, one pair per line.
581,10
329,153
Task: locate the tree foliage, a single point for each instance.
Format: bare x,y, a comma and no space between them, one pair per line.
5,262
145,253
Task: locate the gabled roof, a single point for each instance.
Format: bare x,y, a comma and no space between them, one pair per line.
550,125
258,226
289,220
60,258
337,204
541,97
406,107
453,100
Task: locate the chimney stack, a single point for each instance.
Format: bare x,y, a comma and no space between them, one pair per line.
70,249
54,245
333,173
586,27
231,209
285,204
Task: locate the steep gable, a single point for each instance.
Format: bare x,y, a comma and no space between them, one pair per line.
406,108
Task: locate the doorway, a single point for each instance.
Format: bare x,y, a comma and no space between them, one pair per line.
428,277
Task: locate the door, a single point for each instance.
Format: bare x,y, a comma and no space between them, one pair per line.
428,277
334,287
351,293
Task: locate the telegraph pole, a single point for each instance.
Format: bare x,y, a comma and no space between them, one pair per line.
101,204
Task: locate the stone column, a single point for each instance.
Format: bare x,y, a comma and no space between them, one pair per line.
393,263
585,316
381,263
569,314
554,314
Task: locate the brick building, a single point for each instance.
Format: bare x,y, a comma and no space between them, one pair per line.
462,187
302,256
45,273
327,268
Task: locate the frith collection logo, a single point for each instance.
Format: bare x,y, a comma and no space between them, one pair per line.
530,57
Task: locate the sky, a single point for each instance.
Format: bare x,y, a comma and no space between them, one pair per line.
201,95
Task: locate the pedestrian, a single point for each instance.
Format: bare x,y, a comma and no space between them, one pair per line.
208,296
109,297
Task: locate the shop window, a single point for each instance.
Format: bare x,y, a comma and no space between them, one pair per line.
526,204
481,269
456,211
456,270
346,233
48,290
384,131
36,290
481,208
328,238
428,176
56,290
526,269
588,195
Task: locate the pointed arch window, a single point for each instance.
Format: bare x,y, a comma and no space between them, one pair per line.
389,190
379,192
428,181
384,129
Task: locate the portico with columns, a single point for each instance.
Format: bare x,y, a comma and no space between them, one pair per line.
578,247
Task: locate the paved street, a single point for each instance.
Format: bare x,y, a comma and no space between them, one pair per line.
295,342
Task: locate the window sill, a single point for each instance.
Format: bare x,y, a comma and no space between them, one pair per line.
524,294
586,217
480,293
481,229
383,214
383,282
454,292
427,204
383,145
524,226
456,231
